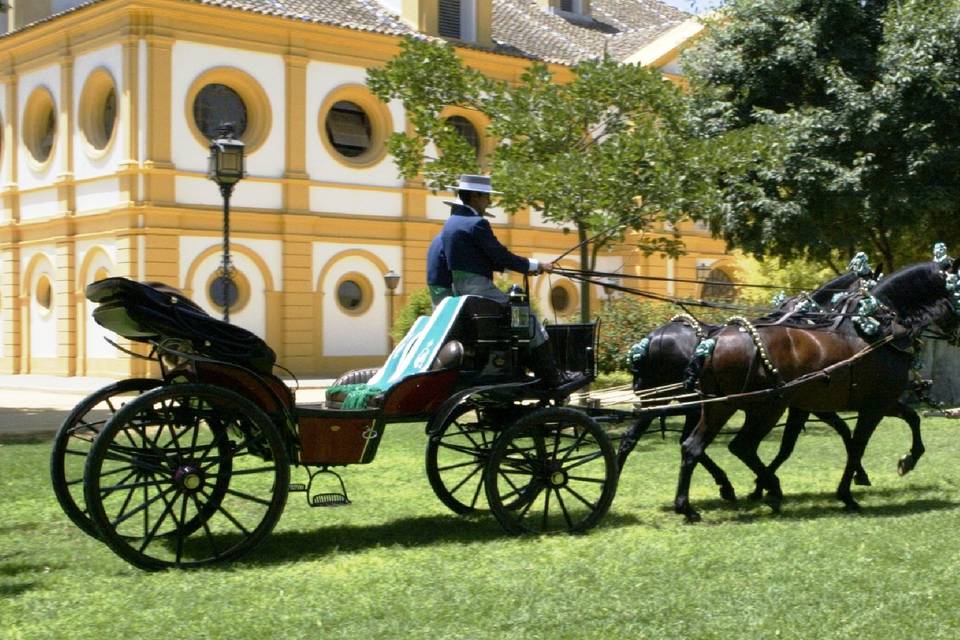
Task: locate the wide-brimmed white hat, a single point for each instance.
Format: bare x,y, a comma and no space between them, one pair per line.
470,182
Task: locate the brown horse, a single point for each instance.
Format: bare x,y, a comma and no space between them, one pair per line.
764,370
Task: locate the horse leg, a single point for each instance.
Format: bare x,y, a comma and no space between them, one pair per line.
719,476
796,418
909,460
867,421
630,438
712,419
759,421
860,476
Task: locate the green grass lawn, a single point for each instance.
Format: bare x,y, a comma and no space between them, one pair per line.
396,564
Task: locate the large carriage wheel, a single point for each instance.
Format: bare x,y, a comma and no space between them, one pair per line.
196,461
456,457
71,446
552,470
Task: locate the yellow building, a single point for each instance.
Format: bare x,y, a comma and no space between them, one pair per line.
106,107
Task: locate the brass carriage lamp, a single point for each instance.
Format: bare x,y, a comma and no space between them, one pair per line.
609,287
226,168
392,280
703,270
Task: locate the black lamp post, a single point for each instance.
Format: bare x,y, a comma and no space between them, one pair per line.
226,168
391,279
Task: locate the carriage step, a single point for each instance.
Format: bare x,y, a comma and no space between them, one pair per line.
297,486
329,500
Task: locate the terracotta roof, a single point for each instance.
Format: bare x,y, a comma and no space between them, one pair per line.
520,27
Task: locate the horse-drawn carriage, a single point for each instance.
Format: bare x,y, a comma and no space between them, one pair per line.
194,467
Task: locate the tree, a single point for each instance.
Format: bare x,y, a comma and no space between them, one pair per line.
578,151
833,126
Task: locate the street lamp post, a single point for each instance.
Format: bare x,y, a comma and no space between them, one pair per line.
391,279
226,168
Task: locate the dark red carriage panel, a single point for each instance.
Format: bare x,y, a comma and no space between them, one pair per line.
420,394
333,440
267,391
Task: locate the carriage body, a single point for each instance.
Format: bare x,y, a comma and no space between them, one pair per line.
220,428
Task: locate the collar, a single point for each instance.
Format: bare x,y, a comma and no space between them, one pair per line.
458,204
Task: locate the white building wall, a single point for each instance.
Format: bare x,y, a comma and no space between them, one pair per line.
97,195
246,193
191,60
42,203
27,177
322,78
88,162
351,335
104,255
360,202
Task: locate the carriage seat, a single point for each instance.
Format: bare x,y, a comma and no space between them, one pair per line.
146,312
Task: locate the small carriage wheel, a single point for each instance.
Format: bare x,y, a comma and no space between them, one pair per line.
196,461
552,470
73,441
455,459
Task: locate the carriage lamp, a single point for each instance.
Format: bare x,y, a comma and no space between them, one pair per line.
703,271
226,168
608,287
392,280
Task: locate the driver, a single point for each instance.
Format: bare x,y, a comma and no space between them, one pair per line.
473,253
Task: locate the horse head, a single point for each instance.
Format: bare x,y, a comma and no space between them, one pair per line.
922,294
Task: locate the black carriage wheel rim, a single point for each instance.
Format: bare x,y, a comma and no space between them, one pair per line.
551,477
213,480
456,459
74,439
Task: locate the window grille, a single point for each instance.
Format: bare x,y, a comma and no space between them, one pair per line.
449,18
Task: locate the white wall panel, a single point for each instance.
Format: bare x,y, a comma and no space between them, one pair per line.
42,203
98,195
392,257
359,202
43,322
322,78
350,335
191,60
256,195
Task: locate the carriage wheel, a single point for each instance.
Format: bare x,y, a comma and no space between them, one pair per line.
196,461
553,470
71,446
455,458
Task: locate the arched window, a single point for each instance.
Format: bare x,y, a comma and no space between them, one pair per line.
466,129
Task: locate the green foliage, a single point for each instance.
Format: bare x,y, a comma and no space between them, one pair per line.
418,304
623,322
579,151
397,563
793,275
832,124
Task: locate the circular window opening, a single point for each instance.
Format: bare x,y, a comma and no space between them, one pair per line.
560,299
98,109
39,125
234,291
44,293
354,294
349,129
466,129
216,105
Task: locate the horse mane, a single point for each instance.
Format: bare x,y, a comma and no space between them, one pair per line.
917,293
839,284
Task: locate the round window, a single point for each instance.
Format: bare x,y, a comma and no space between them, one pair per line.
559,299
98,110
44,292
40,125
466,129
216,105
350,295
234,290
349,129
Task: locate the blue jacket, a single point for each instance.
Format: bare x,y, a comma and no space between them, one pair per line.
438,273
469,244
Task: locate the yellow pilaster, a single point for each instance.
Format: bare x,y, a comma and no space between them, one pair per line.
159,182
301,321
10,319
66,190
66,307
296,190
129,117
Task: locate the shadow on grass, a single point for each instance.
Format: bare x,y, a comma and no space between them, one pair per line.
420,531
14,590
811,505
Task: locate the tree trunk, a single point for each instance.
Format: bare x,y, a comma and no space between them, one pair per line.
585,265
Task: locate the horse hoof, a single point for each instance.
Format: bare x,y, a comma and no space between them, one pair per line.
692,516
862,479
906,465
756,495
774,503
727,493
